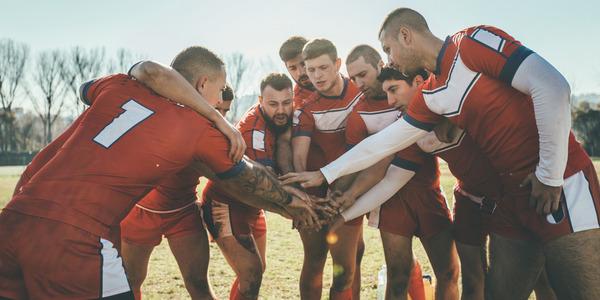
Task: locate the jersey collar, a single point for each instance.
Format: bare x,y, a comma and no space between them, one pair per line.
343,90
438,62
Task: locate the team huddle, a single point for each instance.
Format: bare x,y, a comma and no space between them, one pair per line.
327,151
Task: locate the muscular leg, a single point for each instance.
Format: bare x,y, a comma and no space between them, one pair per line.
572,265
514,268
315,255
244,258
135,260
441,251
399,260
542,288
343,256
360,251
192,255
473,266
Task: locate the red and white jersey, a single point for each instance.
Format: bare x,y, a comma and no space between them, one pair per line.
370,116
128,141
173,193
260,141
301,95
323,119
472,88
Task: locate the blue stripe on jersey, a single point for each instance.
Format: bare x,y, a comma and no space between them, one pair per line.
234,171
130,69
418,124
302,133
512,64
349,146
405,164
84,90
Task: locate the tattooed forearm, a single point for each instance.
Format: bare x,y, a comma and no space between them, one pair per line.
256,180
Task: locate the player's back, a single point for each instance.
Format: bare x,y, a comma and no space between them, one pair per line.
129,140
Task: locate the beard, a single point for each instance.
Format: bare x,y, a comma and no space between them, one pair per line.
307,84
278,129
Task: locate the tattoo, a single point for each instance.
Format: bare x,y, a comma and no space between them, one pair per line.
259,182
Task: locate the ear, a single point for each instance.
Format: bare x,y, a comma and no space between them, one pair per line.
405,36
418,80
380,65
260,99
338,64
201,82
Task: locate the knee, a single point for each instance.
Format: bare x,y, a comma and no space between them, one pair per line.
198,282
399,275
448,276
343,276
250,284
136,279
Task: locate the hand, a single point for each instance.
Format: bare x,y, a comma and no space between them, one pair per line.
300,194
341,201
303,214
544,198
238,146
323,206
306,179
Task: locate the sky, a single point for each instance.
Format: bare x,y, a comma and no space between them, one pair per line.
563,32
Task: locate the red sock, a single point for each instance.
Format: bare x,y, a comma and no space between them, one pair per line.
343,295
235,294
137,294
416,289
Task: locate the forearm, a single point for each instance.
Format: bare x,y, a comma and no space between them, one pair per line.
550,93
257,182
369,177
284,154
395,178
373,149
168,83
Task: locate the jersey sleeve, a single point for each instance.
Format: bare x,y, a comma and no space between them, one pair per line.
303,122
356,130
213,150
419,115
491,51
91,89
411,158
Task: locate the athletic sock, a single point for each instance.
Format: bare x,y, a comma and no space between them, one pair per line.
235,294
137,294
416,289
343,295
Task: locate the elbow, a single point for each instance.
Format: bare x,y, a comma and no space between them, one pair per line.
149,71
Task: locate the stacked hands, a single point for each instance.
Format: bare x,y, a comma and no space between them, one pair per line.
311,212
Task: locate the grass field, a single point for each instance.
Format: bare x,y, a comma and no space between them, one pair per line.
284,257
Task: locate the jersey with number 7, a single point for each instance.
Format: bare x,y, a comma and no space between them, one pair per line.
129,139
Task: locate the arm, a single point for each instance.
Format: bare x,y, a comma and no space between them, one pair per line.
373,149
395,178
284,154
300,148
168,83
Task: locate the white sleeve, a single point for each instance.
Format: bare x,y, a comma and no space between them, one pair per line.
374,148
551,94
395,178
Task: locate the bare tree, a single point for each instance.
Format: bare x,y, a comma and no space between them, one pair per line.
13,60
123,60
47,78
80,65
238,68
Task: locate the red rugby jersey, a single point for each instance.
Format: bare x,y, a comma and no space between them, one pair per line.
128,141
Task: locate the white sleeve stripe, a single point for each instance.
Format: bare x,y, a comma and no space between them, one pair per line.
488,39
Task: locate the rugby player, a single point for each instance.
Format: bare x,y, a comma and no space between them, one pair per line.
515,106
60,231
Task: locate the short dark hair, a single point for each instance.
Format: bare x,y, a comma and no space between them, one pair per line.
403,17
388,73
317,47
195,61
292,47
368,53
227,94
278,81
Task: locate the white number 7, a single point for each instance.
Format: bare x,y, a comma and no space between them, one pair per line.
134,114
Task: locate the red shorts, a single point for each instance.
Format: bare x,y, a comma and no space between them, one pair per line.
144,227
421,212
579,210
46,259
224,219
470,224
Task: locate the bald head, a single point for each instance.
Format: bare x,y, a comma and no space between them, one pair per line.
403,17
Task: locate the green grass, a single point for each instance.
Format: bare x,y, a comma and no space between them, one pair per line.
284,258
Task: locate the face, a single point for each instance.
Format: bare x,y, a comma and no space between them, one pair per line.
223,107
297,70
365,77
399,92
323,73
212,88
277,105
400,51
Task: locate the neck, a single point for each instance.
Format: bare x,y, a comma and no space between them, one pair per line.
432,46
337,89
